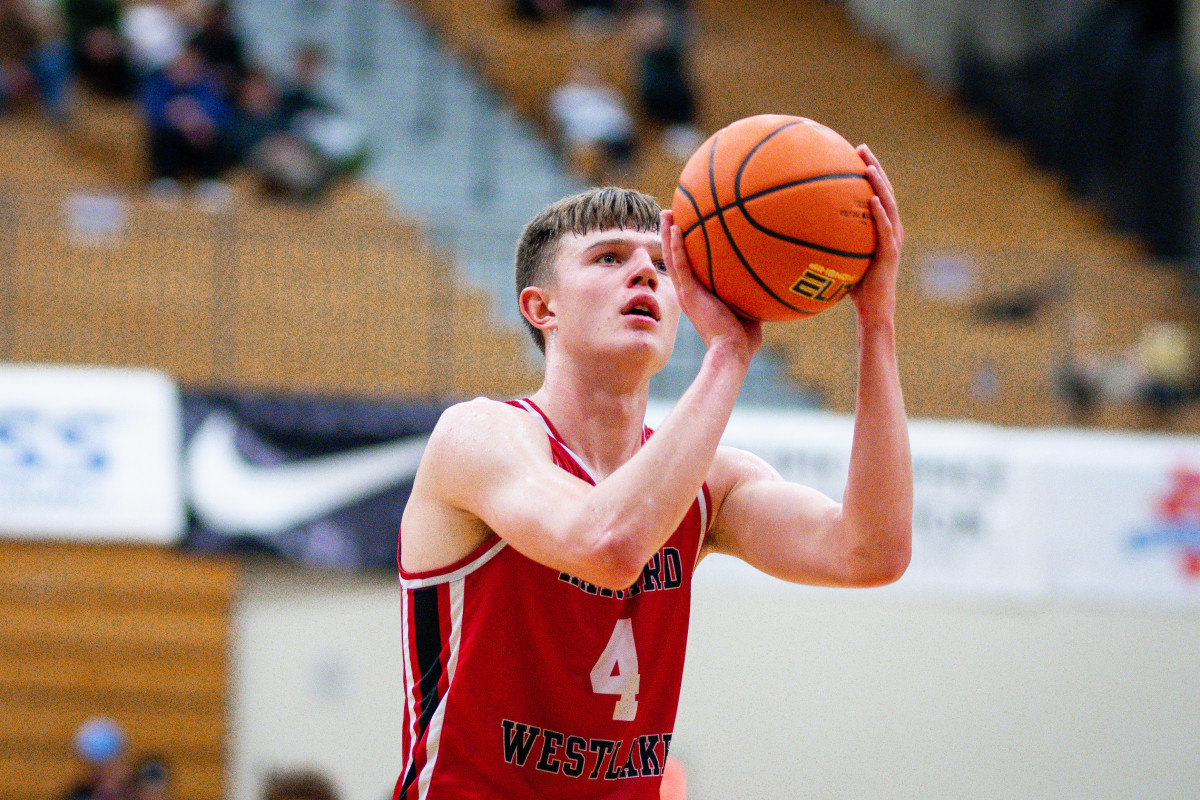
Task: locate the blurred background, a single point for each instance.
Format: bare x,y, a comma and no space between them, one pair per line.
249,250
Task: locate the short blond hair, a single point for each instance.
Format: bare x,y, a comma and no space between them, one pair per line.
598,209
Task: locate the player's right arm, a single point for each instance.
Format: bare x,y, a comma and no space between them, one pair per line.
488,467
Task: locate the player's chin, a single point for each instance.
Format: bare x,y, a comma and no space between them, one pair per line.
658,349
654,346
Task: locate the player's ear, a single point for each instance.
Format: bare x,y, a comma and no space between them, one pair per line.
536,307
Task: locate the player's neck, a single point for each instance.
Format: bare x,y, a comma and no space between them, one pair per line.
600,421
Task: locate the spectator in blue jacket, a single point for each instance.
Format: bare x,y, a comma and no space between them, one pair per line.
187,120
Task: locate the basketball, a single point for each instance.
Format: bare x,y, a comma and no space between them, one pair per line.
775,216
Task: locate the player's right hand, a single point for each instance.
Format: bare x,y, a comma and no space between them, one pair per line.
714,321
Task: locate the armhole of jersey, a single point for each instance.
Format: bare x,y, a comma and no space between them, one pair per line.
704,498
485,552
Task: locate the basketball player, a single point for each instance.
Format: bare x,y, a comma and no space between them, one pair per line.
547,549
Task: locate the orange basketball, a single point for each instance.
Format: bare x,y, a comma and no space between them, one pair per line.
775,216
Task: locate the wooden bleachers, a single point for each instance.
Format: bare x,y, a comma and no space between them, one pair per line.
963,192
343,297
138,634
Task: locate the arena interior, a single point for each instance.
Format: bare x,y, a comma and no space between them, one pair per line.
1045,157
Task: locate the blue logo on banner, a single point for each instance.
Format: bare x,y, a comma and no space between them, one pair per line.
1177,527
36,446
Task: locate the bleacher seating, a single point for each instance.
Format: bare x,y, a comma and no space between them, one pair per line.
138,634
343,297
964,192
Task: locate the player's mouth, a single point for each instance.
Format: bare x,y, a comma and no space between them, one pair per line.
642,305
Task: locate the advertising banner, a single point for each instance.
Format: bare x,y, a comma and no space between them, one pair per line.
968,500
1004,514
89,453
1121,514
319,481
1014,514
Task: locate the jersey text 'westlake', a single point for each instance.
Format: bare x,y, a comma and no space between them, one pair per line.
579,756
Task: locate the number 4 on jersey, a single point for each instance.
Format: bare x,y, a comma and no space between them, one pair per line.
617,671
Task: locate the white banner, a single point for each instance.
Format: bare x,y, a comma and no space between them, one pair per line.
1013,514
967,498
89,453
1121,514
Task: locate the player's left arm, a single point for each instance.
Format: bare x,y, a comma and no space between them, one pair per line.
798,534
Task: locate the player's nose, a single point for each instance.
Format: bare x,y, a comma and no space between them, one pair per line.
643,272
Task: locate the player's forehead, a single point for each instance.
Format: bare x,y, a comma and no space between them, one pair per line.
626,238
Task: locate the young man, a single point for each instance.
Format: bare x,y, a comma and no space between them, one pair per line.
547,549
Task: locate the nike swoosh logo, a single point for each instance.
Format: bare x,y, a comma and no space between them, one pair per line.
232,496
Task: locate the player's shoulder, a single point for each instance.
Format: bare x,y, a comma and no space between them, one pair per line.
481,426
732,466
481,413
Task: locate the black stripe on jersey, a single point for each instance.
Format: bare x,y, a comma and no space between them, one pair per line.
427,628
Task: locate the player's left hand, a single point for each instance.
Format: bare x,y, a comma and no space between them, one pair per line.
875,295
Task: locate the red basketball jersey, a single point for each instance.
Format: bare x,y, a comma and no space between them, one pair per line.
524,682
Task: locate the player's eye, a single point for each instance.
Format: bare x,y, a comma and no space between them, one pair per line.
608,258
661,266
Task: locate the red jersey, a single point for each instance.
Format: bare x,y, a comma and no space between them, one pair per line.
525,682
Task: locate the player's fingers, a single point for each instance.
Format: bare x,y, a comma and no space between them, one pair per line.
868,155
879,178
887,198
675,258
666,227
888,241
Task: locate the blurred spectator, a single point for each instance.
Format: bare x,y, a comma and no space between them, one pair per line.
258,113
1080,382
1166,370
591,124
664,88
188,124
338,142
302,91
97,50
154,34
33,59
536,10
299,784
100,744
151,779
265,142
1081,376
221,48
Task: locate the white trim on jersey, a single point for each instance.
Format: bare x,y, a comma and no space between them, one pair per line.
537,413
702,500
410,699
458,574
433,738
541,417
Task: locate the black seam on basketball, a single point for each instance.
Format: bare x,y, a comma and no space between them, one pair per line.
701,219
712,187
741,204
712,183
703,231
793,240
